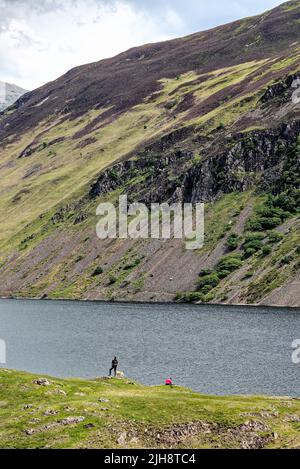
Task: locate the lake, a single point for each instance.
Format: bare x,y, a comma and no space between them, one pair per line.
211,349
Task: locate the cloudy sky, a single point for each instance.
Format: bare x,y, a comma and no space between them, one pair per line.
42,39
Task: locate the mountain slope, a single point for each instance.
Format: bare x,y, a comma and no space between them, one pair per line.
9,94
209,117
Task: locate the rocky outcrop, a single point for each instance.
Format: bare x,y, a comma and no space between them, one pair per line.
281,89
254,159
250,160
153,170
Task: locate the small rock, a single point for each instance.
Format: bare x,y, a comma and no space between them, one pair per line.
122,438
71,420
292,418
275,436
104,409
42,382
89,425
50,412
29,431
28,406
104,400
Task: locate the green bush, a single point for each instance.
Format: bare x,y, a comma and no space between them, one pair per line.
254,236
266,250
286,260
223,274
206,289
252,244
132,265
205,272
248,275
112,280
229,264
253,224
255,244
97,271
275,237
249,252
270,223
269,211
286,202
208,282
232,242
189,297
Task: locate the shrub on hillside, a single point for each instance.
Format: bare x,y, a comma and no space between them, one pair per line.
189,297
232,242
228,264
286,260
112,280
209,281
266,250
97,271
205,272
275,237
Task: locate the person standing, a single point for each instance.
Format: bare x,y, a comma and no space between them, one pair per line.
114,366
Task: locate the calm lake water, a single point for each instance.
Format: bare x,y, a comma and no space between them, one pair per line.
215,350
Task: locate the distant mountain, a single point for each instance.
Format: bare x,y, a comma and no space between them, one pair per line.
9,94
208,118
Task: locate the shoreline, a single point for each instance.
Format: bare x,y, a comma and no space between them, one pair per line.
126,379
153,303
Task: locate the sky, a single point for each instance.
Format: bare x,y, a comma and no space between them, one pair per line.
42,39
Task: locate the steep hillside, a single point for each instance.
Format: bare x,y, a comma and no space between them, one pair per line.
9,94
210,118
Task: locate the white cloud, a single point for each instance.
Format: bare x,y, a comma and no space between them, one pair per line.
39,41
42,47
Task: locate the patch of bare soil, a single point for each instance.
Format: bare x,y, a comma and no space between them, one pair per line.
252,434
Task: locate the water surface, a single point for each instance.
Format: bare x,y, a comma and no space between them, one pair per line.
215,350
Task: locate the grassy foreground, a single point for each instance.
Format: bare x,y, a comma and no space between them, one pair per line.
118,413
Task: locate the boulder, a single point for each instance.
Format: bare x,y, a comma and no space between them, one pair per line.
42,382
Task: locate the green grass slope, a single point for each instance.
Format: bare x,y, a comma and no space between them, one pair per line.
118,413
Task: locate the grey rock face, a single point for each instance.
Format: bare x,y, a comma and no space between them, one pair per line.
250,160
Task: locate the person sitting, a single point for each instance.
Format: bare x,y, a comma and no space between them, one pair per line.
169,382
